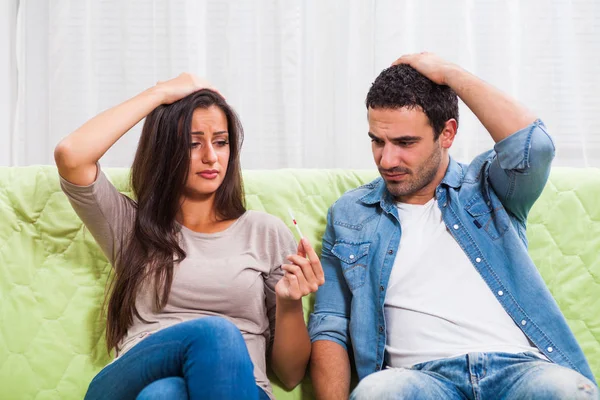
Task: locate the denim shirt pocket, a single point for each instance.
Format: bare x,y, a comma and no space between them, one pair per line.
353,259
488,215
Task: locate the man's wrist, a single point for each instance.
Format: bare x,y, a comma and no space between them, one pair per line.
453,75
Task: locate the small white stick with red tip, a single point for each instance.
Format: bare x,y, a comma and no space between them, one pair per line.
295,224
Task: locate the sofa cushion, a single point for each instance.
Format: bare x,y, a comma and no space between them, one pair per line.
53,275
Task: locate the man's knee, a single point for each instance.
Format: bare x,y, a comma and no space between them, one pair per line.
555,382
394,383
168,388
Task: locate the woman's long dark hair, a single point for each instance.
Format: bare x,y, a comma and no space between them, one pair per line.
158,177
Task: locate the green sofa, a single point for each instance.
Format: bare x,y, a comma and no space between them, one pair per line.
53,275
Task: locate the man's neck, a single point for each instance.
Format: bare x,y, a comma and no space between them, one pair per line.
427,193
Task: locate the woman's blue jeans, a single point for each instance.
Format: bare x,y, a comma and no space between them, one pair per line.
206,358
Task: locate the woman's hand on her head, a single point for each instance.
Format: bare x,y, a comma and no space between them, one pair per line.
302,276
181,86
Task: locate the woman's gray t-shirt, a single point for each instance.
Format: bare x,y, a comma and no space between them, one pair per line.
231,274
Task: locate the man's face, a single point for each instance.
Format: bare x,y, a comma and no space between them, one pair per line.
408,158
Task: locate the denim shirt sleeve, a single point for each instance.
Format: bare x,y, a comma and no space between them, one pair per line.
331,317
520,168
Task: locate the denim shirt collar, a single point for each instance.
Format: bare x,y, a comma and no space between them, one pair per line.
379,194
454,175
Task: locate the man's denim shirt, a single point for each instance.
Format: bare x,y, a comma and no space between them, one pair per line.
485,206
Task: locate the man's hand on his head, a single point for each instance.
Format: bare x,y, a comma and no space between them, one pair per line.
430,65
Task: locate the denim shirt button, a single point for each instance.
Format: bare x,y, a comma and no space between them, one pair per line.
445,204
351,256
523,322
381,288
500,293
478,260
455,226
390,252
380,329
550,349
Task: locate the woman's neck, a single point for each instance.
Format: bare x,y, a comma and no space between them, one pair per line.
200,215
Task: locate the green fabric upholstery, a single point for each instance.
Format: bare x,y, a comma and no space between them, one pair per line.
53,275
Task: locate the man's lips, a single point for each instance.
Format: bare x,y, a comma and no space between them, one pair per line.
394,176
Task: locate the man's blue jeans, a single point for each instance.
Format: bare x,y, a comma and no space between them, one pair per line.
206,358
478,376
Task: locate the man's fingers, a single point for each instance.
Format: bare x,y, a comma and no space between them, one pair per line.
405,59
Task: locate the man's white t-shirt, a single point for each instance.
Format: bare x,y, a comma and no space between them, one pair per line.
437,305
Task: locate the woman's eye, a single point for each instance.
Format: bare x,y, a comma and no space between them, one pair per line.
195,144
221,143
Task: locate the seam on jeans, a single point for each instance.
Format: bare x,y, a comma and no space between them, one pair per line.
471,366
484,365
130,353
474,385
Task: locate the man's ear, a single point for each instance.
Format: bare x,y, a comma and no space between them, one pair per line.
448,134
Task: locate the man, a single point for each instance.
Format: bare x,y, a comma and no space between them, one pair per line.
428,284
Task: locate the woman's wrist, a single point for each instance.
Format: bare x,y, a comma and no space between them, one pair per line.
157,94
289,305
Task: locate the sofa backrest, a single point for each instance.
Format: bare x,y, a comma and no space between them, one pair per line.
53,275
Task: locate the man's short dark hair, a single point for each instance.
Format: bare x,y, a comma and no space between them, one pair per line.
402,86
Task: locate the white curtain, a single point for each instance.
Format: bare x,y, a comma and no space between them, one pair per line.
8,77
297,72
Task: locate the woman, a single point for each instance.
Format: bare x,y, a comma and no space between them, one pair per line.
203,290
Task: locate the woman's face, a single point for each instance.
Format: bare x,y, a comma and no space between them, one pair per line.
209,153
